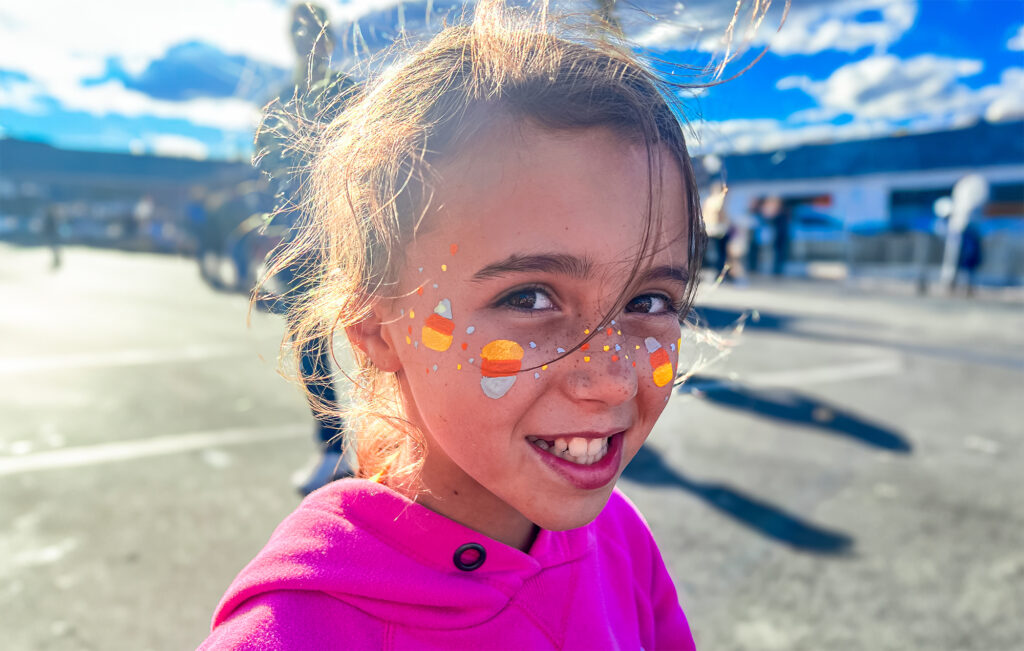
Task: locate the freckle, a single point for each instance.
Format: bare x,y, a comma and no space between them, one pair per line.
586,358
586,331
615,358
585,347
470,330
607,348
419,290
408,340
533,345
609,332
412,314
536,376
465,345
444,267
560,350
454,248
544,368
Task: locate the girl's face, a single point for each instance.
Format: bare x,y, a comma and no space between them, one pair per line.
531,241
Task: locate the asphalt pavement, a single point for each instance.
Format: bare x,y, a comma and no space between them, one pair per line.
842,471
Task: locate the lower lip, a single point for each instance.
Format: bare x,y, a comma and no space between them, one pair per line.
596,475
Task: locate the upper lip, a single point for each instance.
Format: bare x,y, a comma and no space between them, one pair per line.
582,435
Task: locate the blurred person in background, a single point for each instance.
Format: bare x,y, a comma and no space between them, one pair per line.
315,86
719,228
51,234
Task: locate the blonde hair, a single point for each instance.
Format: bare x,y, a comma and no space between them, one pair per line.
369,181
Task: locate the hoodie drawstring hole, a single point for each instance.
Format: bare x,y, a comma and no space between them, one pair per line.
470,556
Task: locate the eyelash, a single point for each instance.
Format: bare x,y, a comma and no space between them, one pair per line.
671,306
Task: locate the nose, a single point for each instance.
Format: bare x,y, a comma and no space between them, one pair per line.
601,379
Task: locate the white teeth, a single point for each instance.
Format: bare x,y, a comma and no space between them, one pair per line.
577,450
578,447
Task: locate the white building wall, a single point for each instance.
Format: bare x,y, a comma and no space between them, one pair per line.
864,197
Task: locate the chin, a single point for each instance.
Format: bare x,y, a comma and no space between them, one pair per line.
582,512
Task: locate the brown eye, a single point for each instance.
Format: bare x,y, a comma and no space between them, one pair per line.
528,299
649,304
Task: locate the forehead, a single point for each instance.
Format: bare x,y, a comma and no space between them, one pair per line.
584,192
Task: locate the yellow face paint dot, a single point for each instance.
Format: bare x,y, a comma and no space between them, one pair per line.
458,367
586,331
408,341
444,267
638,347
607,348
618,332
586,359
412,315
544,368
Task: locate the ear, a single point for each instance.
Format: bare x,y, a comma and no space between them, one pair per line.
374,340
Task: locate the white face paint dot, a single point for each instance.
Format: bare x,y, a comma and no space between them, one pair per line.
533,345
672,347
560,350
435,285
613,321
470,360
401,312
470,330
421,269
415,344
618,347
435,367
536,376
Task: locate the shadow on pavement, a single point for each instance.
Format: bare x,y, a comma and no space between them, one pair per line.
794,407
716,318
648,467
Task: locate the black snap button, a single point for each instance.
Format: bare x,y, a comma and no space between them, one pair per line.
470,556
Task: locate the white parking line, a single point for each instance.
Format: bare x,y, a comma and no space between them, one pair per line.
804,377
91,455
13,365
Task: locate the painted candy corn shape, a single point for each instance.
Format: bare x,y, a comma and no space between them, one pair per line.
500,361
437,331
661,364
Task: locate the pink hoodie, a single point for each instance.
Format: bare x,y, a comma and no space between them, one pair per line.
357,566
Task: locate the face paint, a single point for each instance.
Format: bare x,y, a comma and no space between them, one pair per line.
470,330
437,331
661,365
454,248
500,360
444,267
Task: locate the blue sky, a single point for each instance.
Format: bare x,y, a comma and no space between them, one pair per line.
187,78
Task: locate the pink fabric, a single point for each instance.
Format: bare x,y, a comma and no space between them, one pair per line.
358,566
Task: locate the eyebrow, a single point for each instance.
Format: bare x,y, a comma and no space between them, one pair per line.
667,272
555,263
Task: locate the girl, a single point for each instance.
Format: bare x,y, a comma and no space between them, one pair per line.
511,236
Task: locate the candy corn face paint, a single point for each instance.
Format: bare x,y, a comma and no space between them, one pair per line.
500,361
661,365
437,331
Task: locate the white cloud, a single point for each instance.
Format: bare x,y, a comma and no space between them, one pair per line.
744,136
1016,42
885,86
810,27
166,144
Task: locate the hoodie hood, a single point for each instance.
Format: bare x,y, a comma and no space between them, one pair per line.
370,547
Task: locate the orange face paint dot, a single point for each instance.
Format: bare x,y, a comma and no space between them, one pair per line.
454,248
419,290
465,345
615,358
634,364
585,347
609,332
410,329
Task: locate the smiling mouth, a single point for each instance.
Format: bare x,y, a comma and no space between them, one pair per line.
574,449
